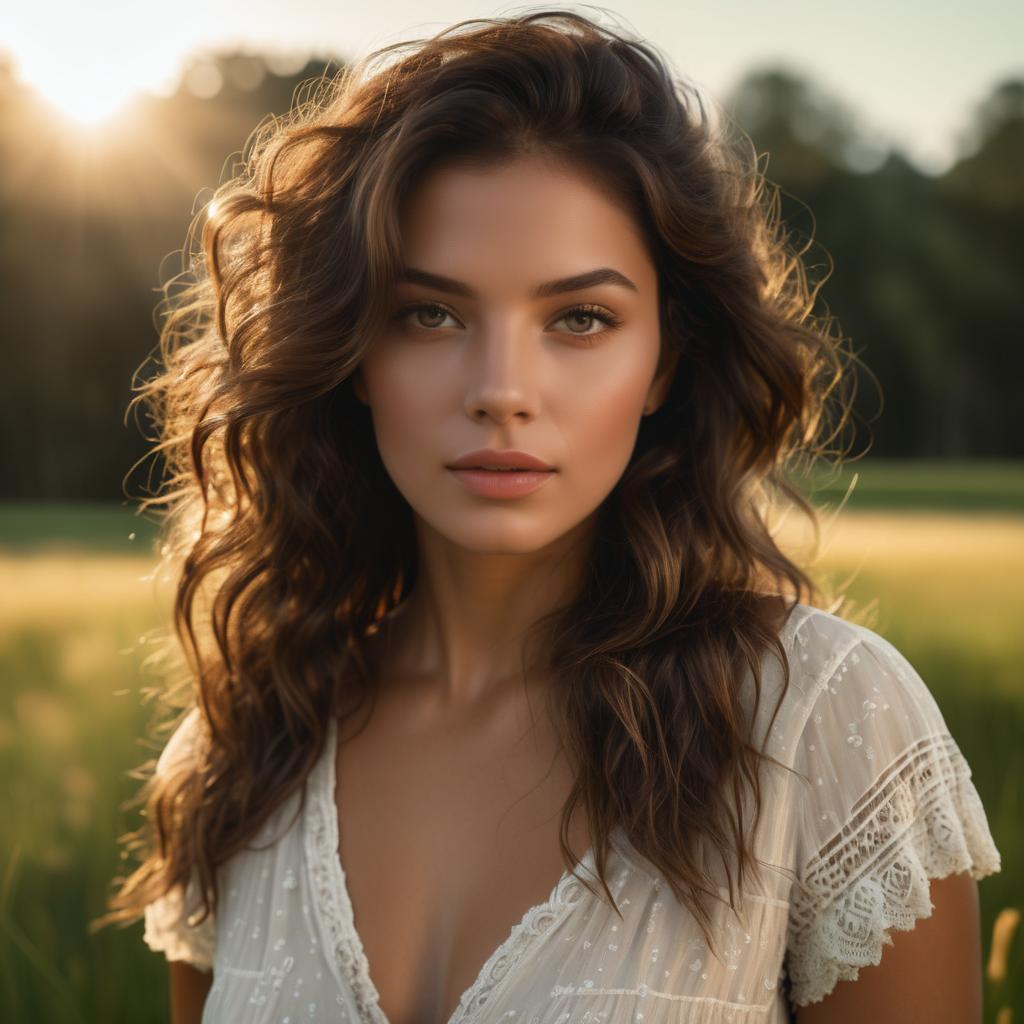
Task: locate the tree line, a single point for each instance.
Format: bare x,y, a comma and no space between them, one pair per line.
924,273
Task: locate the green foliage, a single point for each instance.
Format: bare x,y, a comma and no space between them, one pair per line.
949,484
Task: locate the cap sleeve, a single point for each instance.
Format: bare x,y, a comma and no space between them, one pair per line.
167,927
886,803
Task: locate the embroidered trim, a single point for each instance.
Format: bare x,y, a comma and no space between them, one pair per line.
328,885
922,819
334,907
567,892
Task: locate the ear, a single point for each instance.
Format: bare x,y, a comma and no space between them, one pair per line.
662,382
359,385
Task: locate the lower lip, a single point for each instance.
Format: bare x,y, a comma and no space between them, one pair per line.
495,483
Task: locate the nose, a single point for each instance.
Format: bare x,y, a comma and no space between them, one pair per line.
503,371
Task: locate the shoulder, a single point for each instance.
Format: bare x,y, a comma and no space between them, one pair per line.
855,683
840,670
818,647
183,745
169,924
885,802
822,643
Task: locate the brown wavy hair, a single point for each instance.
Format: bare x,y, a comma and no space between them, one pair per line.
289,542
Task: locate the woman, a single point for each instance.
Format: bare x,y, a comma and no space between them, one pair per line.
484,403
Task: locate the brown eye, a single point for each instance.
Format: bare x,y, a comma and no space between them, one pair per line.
581,319
426,314
586,317
429,313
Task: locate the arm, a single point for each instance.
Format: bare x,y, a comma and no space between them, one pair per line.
892,837
189,948
932,972
189,987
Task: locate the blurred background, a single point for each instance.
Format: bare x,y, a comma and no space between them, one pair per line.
896,133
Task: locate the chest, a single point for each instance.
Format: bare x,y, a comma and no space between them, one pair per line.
448,833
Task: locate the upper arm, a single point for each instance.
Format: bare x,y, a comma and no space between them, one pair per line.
170,925
932,972
891,838
189,987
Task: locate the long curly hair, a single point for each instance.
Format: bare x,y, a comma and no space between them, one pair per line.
288,541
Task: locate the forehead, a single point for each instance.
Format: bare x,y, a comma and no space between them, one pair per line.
528,217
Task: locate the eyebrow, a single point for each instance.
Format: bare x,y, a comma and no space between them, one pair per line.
577,282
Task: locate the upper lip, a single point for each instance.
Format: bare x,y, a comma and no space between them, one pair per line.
492,457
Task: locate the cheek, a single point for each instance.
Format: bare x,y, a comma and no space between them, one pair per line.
604,413
402,396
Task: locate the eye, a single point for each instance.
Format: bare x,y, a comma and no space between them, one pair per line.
590,313
432,308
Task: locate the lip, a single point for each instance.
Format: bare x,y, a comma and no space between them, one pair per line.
498,483
511,457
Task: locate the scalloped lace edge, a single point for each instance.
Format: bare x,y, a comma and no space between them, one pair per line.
938,833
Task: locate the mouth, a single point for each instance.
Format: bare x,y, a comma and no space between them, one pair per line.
501,469
501,460
500,483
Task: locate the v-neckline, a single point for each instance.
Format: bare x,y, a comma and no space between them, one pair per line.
333,905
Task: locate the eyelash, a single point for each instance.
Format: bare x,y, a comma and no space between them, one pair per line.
608,318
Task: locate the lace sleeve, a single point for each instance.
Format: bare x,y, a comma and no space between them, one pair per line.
886,803
170,925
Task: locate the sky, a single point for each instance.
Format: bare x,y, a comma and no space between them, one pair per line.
912,70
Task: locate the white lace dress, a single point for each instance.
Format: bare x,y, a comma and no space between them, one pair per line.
884,801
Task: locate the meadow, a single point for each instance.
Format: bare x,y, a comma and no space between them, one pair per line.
936,553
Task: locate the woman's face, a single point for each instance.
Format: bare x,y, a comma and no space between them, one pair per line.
496,357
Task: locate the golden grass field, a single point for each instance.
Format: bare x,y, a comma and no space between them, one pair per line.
74,629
